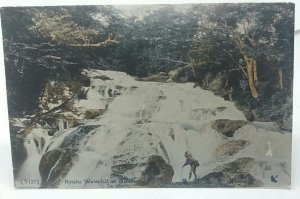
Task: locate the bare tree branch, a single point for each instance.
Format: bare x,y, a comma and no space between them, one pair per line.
240,67
38,116
108,41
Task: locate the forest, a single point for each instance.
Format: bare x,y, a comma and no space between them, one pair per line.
242,52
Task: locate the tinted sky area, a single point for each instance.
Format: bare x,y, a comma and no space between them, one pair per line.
142,10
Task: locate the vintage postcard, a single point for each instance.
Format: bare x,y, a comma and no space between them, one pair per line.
191,95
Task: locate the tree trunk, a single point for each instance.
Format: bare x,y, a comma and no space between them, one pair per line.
280,78
250,65
255,72
252,75
193,67
192,62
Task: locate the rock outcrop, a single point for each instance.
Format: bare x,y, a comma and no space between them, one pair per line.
233,174
160,77
157,172
228,127
230,148
56,163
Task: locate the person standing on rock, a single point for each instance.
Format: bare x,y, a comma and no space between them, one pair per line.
192,162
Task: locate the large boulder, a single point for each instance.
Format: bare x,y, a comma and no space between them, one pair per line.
224,179
157,172
230,148
285,115
233,174
160,77
55,165
228,127
94,113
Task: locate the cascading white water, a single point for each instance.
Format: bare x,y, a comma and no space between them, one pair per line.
156,118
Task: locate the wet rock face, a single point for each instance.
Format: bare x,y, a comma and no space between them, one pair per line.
287,122
84,80
73,139
94,113
55,165
47,162
285,118
103,77
239,165
18,150
233,174
122,168
160,77
157,172
249,115
228,127
224,179
230,148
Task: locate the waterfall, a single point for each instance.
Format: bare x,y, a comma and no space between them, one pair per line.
164,119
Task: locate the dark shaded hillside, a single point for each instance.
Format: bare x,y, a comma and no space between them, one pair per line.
243,52
33,58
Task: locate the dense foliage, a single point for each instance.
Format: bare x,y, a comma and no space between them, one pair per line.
249,46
